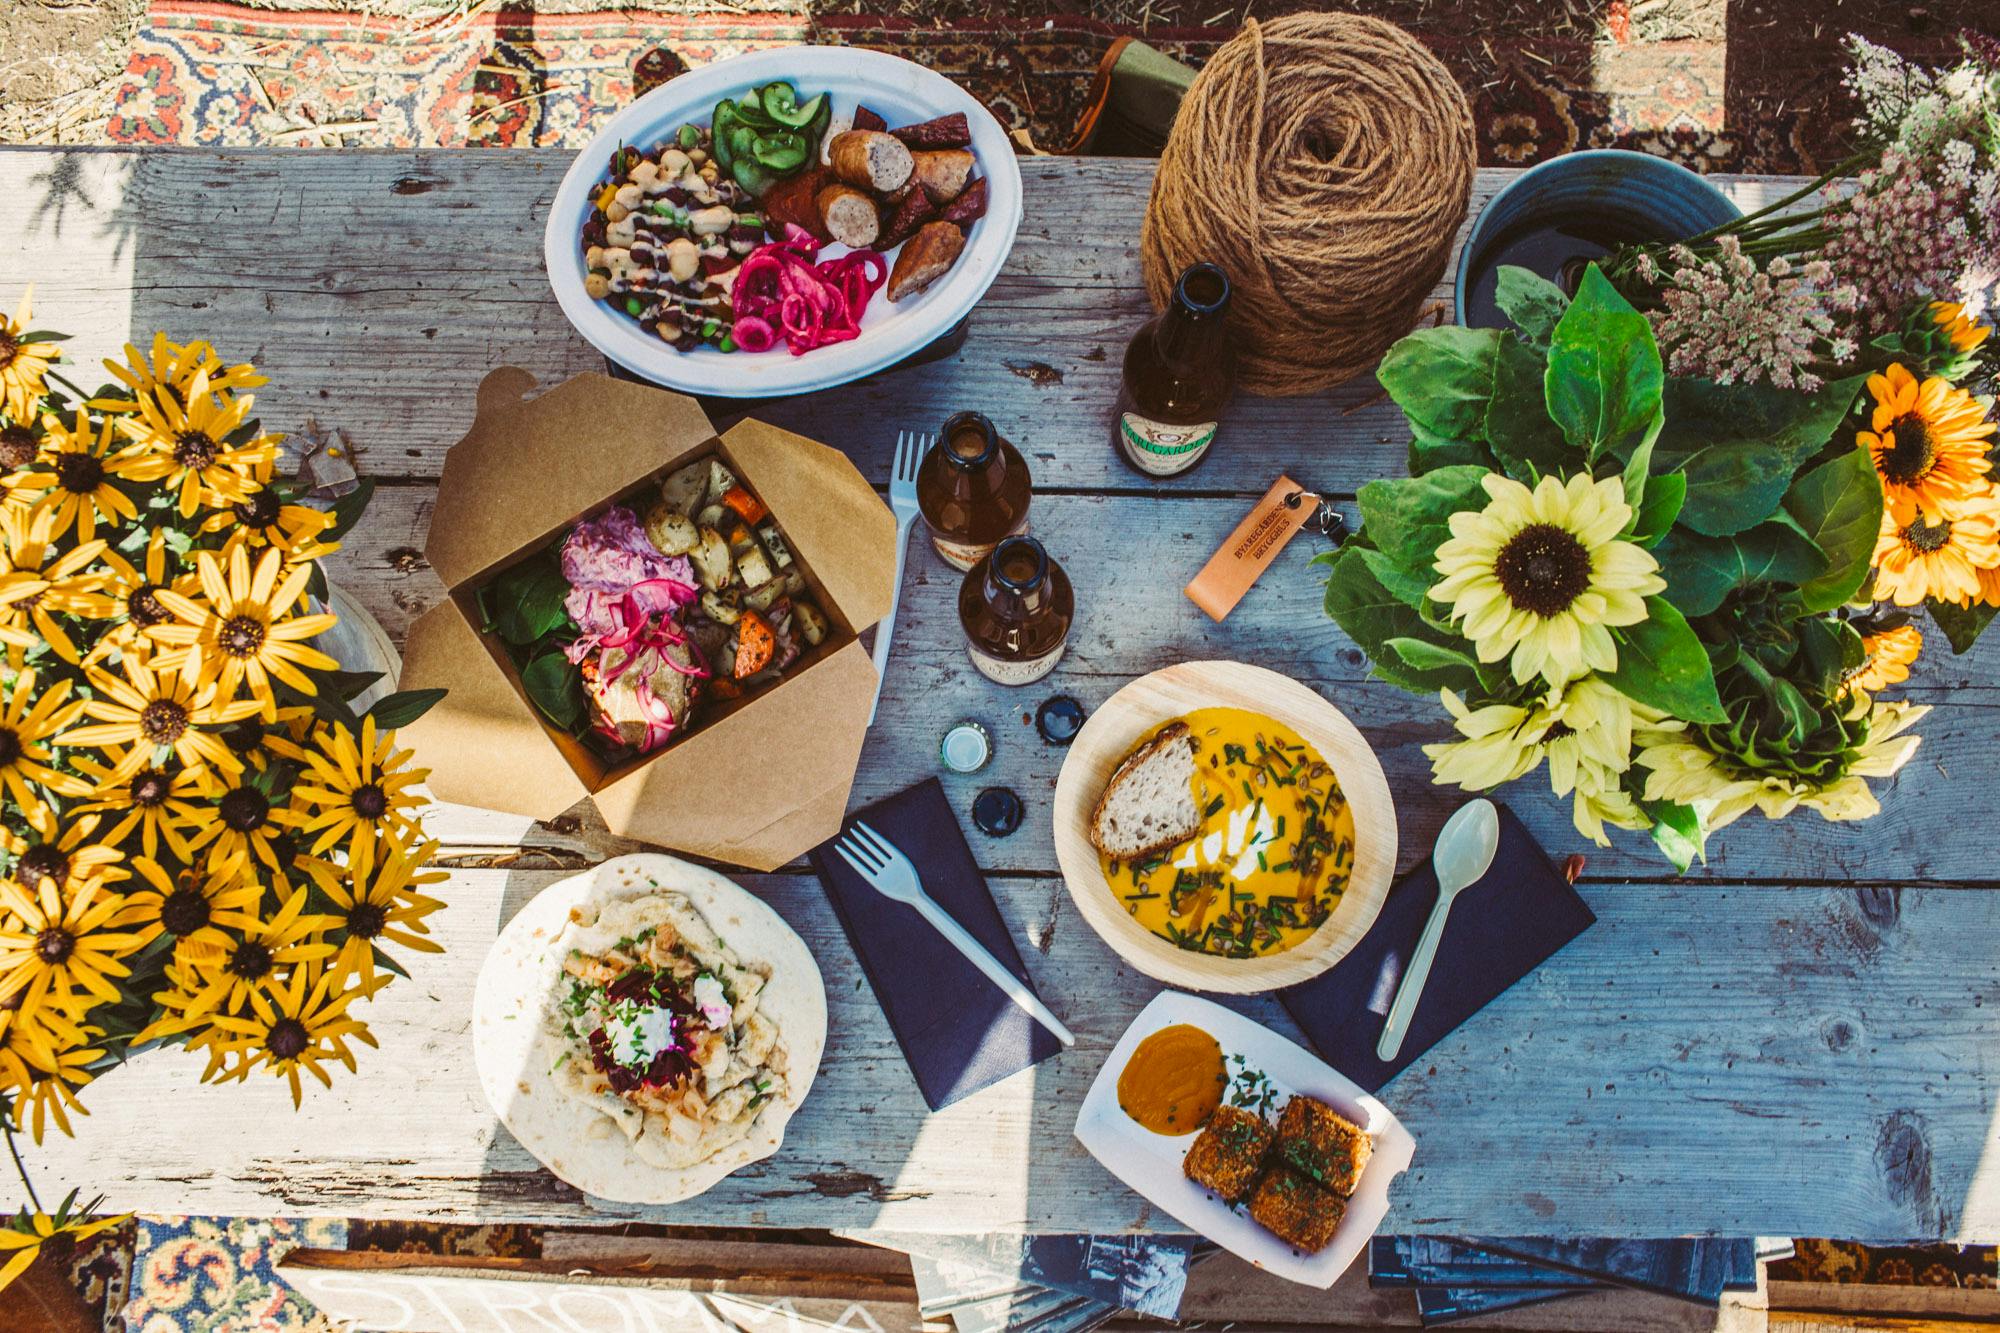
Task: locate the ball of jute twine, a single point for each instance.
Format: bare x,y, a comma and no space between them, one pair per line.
1325,162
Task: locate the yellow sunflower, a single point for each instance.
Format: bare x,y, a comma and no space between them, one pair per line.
1964,332
1541,575
249,964
1921,556
243,633
24,365
152,710
380,905
241,822
78,482
69,858
197,908
173,367
363,792
267,519
1928,441
183,440
56,944
160,803
48,1092
27,721
39,588
1888,655
299,1024
23,1240
134,590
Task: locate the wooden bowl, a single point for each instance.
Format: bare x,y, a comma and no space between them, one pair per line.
1140,709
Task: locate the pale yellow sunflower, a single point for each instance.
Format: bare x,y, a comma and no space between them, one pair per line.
62,948
1964,332
362,792
1887,659
77,480
24,364
245,632
381,905
151,710
183,440
28,719
1928,442
1541,576
1920,556
41,588
301,1023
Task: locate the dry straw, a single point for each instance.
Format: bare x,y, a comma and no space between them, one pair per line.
1325,162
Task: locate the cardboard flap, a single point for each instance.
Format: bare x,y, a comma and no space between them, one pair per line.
827,510
530,466
483,745
760,786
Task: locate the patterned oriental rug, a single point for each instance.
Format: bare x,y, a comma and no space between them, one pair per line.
227,75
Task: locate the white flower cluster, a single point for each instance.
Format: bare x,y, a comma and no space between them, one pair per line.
1725,319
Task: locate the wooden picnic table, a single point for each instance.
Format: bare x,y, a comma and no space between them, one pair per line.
1792,1039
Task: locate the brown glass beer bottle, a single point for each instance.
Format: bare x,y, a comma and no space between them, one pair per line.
1180,370
1016,606
972,489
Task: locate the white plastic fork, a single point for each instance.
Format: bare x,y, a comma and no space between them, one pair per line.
911,446
887,871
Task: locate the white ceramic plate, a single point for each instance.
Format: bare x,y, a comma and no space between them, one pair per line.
515,1050
1151,1163
902,93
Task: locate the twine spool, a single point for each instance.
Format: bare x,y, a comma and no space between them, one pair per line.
1325,162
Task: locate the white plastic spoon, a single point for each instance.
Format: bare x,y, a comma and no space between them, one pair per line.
1463,854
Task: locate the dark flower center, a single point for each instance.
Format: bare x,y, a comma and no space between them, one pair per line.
40,862
370,801
245,737
18,447
367,920
10,347
250,961
1543,568
145,608
241,636
284,848
1924,538
288,1039
184,912
1557,731
10,746
245,809
150,788
54,945
78,473
163,721
1912,451
194,450
259,511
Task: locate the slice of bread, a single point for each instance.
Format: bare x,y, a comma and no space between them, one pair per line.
1148,805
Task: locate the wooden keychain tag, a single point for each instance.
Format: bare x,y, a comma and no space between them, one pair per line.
1249,550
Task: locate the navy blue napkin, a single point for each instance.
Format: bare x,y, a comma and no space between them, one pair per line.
958,1031
1499,930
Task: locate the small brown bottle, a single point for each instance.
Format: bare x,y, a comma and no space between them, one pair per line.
1016,606
972,488
1180,370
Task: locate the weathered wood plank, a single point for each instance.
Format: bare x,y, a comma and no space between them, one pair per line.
1131,623
1703,1061
376,288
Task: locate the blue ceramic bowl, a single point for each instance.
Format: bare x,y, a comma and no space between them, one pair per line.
1634,194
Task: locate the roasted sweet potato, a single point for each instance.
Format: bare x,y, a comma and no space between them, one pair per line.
755,643
942,173
969,206
746,506
915,210
925,258
952,131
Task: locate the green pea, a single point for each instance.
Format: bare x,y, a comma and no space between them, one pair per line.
633,306
728,344
708,329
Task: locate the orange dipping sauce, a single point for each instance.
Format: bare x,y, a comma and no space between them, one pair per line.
1174,1081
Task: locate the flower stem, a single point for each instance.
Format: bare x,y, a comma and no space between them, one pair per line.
1839,169
20,1168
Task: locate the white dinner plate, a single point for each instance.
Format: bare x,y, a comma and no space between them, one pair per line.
1151,1163
902,93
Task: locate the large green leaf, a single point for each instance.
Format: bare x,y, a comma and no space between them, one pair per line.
1740,445
1604,375
1839,505
1410,587
1701,571
402,708
1655,516
1408,517
527,600
1371,615
1525,442
1442,378
555,686
1662,664
1533,302
1677,832
1962,625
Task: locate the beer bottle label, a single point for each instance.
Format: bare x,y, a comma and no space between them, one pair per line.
1006,672
1163,449
964,555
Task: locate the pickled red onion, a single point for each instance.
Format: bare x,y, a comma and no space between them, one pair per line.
809,304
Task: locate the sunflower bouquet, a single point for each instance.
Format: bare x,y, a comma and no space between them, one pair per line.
201,842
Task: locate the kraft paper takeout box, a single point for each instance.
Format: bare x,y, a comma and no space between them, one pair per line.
755,781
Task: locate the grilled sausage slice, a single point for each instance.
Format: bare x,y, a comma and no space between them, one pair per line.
925,258
870,159
849,216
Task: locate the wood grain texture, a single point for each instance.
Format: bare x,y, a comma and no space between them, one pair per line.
1793,1041
1140,709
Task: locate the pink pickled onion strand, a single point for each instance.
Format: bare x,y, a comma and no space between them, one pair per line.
810,305
753,333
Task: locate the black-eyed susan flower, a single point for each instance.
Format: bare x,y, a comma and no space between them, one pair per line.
69,857
58,947
266,518
134,587
1920,556
1887,655
24,1238
24,362
29,717
48,1094
239,822
20,446
244,633
78,477
159,804
381,905
1541,577
1965,332
1929,440
40,586
257,742
173,366
183,440
254,960
301,1023
152,710
361,791
197,908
